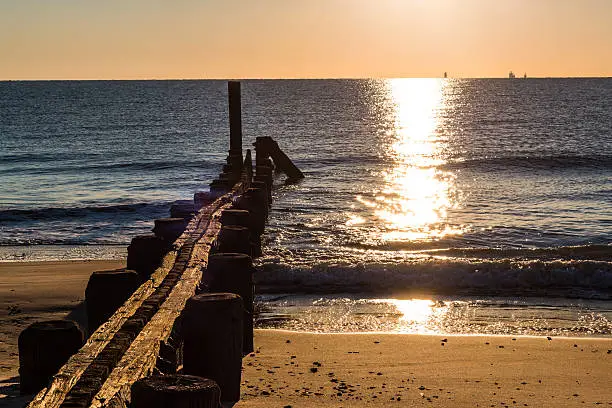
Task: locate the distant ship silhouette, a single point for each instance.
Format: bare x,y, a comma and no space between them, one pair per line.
511,75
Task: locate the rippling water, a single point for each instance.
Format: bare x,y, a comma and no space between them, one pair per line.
414,187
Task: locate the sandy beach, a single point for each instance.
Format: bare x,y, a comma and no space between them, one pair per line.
384,370
34,291
292,369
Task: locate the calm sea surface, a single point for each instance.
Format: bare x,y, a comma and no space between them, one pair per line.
447,206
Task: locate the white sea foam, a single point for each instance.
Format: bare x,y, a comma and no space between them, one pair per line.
562,278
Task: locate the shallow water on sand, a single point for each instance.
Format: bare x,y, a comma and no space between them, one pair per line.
350,313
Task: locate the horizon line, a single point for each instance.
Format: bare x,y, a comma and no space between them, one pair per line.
291,78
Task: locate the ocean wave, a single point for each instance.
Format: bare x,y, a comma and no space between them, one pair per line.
68,238
107,167
592,252
316,162
551,162
56,213
41,157
486,277
536,162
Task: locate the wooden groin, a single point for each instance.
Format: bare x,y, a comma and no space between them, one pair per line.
146,335
142,337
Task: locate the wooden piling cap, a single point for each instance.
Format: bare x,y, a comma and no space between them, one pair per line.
177,383
215,305
233,228
234,211
113,283
233,256
215,297
53,325
233,235
230,260
127,279
114,273
258,193
175,390
50,329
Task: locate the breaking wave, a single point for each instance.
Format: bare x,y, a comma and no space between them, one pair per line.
486,277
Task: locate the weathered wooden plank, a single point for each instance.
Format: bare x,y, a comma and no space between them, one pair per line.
140,359
70,373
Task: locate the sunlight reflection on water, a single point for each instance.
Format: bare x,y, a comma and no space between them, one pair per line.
504,316
415,195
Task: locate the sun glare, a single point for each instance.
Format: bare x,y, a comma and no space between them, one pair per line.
416,195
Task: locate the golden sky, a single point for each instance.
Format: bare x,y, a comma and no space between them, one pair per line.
130,39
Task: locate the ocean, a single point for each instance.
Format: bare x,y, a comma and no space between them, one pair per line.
459,206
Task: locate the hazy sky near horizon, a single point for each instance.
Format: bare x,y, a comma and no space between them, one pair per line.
130,39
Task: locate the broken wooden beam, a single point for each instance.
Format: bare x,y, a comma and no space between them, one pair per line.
267,147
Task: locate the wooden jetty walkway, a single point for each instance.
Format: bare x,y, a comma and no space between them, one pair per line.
170,329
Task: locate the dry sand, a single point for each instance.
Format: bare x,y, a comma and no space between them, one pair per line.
34,291
339,370
386,370
344,370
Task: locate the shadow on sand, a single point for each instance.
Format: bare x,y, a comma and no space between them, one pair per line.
10,396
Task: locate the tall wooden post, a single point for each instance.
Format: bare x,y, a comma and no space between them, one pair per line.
43,348
212,347
235,119
233,273
106,291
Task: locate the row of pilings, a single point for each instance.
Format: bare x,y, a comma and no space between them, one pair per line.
200,363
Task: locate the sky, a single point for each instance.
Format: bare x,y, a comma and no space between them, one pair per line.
157,39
